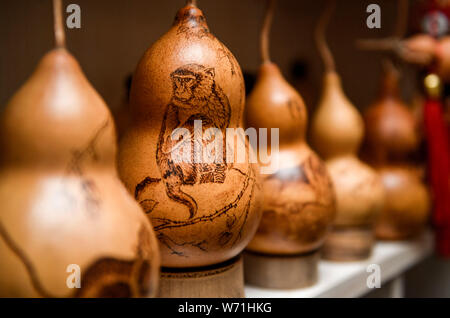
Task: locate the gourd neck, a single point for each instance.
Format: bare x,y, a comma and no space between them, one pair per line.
389,85
191,17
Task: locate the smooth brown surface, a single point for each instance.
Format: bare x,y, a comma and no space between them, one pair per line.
348,244
391,137
337,127
299,204
281,272
203,214
221,281
62,201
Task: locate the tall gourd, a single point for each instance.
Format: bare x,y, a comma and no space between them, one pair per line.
391,137
337,132
203,213
299,204
64,209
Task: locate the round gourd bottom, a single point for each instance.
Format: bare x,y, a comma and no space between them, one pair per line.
346,244
281,271
225,280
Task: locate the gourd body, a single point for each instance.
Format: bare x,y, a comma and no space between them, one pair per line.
337,132
391,136
64,210
203,213
299,204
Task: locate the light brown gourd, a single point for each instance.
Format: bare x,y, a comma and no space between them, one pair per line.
391,136
63,204
299,205
337,131
203,213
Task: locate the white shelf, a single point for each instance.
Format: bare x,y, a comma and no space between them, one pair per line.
349,279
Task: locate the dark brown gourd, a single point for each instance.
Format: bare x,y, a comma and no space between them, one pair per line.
203,213
62,200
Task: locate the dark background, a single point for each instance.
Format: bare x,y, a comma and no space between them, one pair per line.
114,35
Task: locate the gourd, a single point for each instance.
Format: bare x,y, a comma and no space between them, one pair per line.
299,202
391,137
64,210
336,133
204,213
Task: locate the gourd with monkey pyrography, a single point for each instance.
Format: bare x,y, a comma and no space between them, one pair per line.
186,92
63,205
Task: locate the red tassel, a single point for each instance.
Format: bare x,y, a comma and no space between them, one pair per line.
439,172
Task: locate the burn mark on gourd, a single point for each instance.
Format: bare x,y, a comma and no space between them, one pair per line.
295,108
88,152
29,267
311,172
234,225
143,184
88,187
164,223
110,277
195,96
223,52
106,277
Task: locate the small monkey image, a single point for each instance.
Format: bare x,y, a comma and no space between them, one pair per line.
196,96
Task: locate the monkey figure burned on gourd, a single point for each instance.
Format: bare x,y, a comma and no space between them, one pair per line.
195,97
187,93
66,219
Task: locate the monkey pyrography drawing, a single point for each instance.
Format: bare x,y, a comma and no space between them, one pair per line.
195,97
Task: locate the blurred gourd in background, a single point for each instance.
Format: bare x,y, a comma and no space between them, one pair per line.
336,133
299,202
391,135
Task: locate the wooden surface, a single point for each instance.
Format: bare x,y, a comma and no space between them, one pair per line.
348,244
223,281
281,272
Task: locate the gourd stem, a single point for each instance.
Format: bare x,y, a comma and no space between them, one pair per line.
265,30
60,38
192,2
321,43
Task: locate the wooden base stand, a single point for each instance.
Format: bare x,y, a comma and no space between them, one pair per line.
281,272
348,244
224,280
